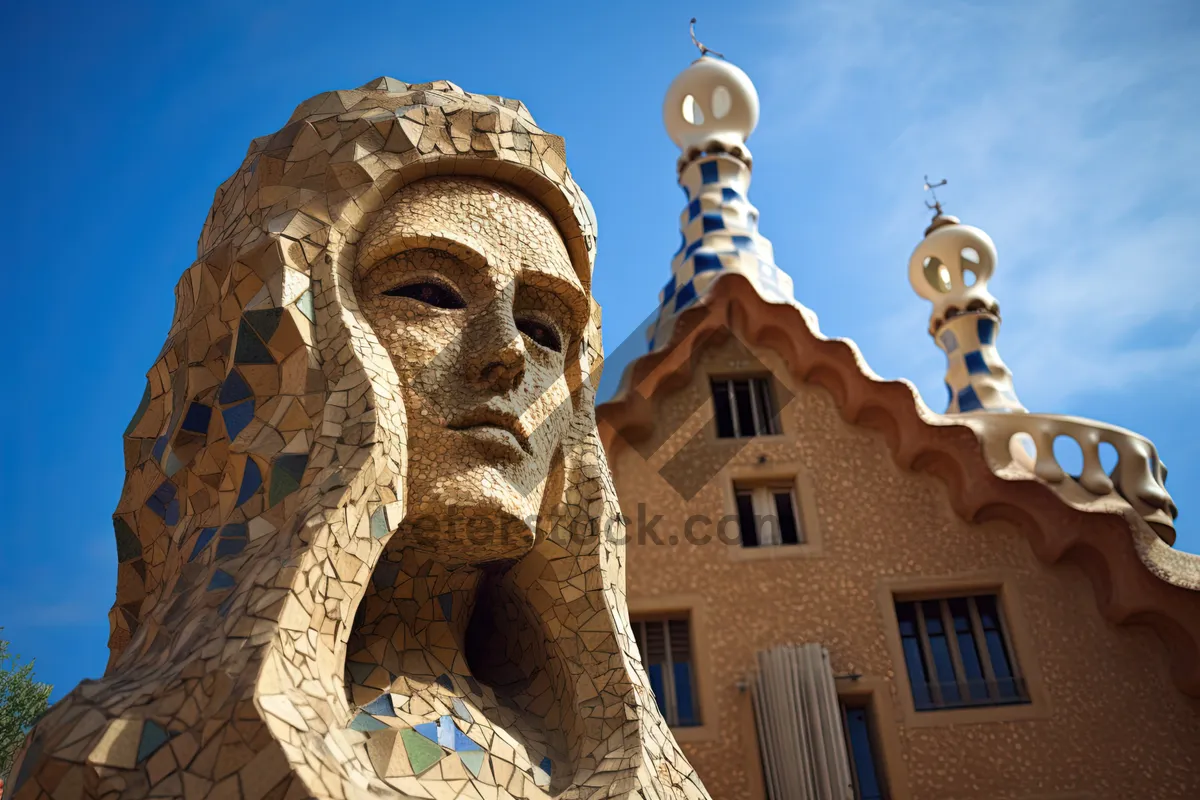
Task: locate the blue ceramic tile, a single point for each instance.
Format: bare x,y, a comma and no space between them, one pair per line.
381,706
161,500
220,580
975,363
202,541
686,294
238,417
709,172
669,289
968,400
427,729
462,742
196,419
986,327
234,389
744,243
230,547
706,262
460,709
251,481
713,221
446,732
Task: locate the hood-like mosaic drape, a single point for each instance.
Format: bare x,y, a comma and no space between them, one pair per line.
265,473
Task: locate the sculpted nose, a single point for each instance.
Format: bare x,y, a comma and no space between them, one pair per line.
506,372
498,357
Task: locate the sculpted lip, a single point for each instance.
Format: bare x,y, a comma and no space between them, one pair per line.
485,417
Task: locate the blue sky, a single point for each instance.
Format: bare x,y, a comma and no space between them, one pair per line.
1067,130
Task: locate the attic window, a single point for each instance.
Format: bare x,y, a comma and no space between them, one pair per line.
744,407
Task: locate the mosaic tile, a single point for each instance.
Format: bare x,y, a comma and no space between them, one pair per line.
153,737
251,481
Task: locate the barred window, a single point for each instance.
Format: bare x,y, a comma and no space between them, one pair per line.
666,648
958,653
744,407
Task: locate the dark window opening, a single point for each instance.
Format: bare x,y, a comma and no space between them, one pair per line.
958,653
666,648
866,769
768,515
744,407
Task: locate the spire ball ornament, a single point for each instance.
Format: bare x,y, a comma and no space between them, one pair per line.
710,106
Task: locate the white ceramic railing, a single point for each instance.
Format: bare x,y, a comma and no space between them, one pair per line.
1027,441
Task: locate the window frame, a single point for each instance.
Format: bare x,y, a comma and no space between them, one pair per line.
936,687
760,386
866,702
763,498
1005,583
670,710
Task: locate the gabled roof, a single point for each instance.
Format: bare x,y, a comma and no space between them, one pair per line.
1136,575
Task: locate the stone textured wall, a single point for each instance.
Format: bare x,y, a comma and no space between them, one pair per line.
1105,721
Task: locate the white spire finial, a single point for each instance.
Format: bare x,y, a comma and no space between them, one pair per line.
710,109
712,106
951,268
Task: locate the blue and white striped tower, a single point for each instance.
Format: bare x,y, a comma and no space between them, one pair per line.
951,268
710,110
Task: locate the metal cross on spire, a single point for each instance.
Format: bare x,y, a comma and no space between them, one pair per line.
932,189
703,50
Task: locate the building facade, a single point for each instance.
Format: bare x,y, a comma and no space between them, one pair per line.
840,593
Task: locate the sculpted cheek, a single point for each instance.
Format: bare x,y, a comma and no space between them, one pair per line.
548,409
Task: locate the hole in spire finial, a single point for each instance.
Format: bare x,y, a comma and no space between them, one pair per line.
703,50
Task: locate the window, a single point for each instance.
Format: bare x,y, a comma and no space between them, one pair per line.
744,407
666,647
958,653
865,767
767,514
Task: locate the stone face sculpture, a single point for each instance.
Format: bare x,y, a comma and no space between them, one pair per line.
369,544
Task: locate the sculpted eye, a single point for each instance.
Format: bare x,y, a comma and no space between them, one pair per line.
433,294
541,333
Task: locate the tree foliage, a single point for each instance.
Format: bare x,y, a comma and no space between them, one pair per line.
22,701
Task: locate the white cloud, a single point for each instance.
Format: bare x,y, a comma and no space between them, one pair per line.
1068,132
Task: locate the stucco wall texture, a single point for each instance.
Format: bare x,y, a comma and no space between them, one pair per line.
1105,720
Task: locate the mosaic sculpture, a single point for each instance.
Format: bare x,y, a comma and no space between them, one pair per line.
369,544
